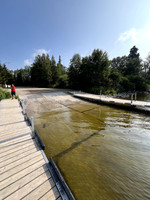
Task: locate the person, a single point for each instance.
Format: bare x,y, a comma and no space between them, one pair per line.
13,91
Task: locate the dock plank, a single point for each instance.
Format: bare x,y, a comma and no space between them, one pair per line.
22,173
51,194
15,152
41,190
15,140
23,169
22,192
6,137
10,148
19,128
23,181
17,159
5,174
20,161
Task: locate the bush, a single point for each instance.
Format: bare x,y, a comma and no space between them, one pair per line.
4,95
102,90
7,95
110,92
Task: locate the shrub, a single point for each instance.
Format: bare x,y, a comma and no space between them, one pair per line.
4,95
7,95
110,92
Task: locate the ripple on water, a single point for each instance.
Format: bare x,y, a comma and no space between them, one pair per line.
102,152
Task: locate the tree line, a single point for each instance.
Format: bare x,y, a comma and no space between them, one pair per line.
121,74
93,73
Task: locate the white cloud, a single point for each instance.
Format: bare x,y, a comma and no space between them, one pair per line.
27,62
138,37
36,52
131,34
40,52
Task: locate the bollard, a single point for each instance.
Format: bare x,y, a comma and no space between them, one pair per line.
32,126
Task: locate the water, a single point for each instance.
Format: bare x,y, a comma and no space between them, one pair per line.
143,96
102,152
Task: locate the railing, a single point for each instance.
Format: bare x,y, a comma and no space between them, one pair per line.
34,133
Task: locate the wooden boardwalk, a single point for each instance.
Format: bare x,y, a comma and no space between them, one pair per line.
23,170
140,105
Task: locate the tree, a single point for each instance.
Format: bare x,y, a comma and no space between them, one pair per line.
41,73
133,66
130,75
146,66
134,53
62,76
23,76
74,71
60,68
95,70
119,64
6,76
115,79
54,70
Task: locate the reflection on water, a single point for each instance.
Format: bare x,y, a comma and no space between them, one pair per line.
102,152
142,96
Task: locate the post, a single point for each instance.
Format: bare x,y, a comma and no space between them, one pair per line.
23,107
100,94
32,126
135,96
131,98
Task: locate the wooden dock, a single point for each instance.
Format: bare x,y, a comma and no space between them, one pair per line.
101,99
24,173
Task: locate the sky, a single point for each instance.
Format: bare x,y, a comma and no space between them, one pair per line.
65,27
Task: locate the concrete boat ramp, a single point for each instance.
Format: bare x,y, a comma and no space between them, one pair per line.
25,172
140,106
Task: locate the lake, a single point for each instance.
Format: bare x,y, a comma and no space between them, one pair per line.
102,152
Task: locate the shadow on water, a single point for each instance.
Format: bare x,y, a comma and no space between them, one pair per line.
76,144
112,167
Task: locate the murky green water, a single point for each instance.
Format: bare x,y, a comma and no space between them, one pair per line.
102,152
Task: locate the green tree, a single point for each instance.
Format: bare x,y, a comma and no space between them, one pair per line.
146,67
95,70
6,76
133,66
134,53
127,72
54,70
41,73
23,76
62,77
115,79
119,64
74,71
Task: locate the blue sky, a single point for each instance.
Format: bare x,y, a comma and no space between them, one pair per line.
66,27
